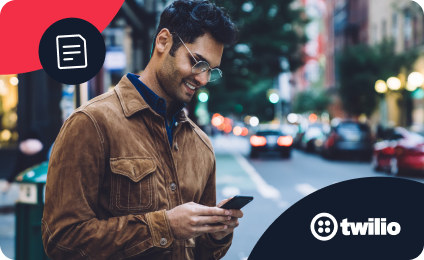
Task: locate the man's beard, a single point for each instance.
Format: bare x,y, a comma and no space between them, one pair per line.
170,82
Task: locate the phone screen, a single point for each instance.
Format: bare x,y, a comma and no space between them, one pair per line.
237,202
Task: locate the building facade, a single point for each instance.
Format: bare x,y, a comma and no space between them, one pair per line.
34,103
401,22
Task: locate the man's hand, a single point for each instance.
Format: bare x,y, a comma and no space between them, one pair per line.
231,223
190,220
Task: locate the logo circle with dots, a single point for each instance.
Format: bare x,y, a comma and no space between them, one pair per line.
324,226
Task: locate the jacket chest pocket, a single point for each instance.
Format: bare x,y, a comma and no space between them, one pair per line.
133,185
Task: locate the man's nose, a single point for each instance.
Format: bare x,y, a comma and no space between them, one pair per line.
202,78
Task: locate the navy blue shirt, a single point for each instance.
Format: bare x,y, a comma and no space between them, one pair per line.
157,103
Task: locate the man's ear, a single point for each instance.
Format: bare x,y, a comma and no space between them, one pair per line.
163,41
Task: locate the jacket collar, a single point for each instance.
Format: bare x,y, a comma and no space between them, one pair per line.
132,102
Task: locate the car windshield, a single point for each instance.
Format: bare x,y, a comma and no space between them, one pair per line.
416,137
313,132
351,127
264,133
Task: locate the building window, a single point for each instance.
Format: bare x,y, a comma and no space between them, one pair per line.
415,31
407,29
8,111
374,34
384,30
394,27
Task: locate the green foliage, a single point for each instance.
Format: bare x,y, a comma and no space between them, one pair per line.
360,67
267,35
311,101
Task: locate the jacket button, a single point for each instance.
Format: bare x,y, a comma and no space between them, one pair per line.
173,186
163,241
176,147
176,123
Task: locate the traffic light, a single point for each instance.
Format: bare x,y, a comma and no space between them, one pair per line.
273,96
203,96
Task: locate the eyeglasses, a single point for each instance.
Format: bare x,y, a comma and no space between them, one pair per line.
203,66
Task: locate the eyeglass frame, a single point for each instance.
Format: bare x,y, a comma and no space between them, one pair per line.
197,62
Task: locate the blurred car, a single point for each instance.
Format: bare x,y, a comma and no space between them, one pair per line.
289,129
271,141
313,135
298,139
348,138
402,151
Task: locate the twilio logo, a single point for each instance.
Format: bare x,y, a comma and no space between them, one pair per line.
324,227
327,226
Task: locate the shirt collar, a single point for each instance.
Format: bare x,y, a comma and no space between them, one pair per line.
154,101
132,101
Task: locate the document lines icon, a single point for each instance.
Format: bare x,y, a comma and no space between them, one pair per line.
71,51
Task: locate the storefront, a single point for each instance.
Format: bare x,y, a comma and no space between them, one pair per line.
8,122
8,111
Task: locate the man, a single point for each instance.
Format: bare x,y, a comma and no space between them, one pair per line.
130,176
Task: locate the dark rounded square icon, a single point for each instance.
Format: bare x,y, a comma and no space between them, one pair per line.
72,51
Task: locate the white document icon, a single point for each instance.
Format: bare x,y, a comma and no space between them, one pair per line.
71,51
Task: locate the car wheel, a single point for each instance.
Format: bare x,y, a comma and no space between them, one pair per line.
393,169
328,155
367,158
286,155
254,155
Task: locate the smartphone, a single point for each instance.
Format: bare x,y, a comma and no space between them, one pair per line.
237,202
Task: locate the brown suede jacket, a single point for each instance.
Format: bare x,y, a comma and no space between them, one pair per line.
112,176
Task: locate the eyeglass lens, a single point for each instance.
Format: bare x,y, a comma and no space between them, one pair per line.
203,66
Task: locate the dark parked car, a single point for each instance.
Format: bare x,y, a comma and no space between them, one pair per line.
401,151
348,138
271,141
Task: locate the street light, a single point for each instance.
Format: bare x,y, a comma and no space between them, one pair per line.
410,87
254,121
415,79
381,86
292,118
247,120
394,83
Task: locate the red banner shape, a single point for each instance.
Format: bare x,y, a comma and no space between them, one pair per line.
23,22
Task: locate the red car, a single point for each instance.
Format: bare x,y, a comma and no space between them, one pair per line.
403,151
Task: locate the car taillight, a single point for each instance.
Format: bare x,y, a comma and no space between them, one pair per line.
285,140
388,151
330,141
257,140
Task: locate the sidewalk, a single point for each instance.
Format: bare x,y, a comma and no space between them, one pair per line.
231,180
8,199
7,219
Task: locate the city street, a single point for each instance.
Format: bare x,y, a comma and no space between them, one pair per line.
275,184
303,79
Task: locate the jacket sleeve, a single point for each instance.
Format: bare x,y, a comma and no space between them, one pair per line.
70,226
206,246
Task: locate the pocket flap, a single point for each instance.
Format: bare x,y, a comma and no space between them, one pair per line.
134,168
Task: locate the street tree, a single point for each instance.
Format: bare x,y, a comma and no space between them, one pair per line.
360,66
313,100
270,35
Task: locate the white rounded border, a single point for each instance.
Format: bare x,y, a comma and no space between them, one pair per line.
320,215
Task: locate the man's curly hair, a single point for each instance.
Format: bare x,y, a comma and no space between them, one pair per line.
192,19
